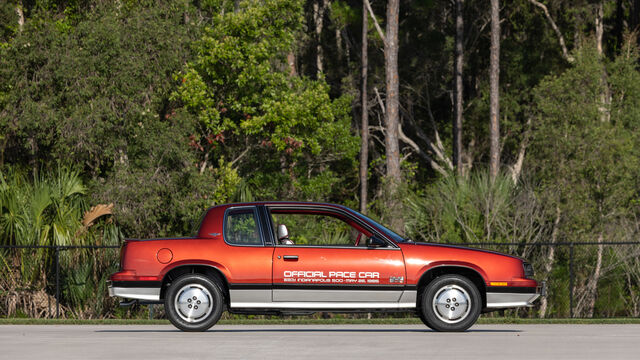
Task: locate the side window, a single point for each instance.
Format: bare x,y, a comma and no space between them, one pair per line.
241,227
315,230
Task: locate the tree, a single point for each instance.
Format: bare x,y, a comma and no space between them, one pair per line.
392,118
586,166
90,88
281,133
494,125
458,66
364,125
319,8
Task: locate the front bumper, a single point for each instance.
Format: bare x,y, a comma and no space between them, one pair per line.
140,290
509,297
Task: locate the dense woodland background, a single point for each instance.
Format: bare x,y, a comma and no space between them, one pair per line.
456,121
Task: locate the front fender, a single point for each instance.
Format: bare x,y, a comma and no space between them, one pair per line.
453,263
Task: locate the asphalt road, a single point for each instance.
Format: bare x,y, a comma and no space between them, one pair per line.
395,342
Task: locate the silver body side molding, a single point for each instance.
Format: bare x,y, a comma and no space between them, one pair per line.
508,300
322,305
151,294
300,295
323,299
246,296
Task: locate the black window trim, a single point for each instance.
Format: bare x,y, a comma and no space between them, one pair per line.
256,214
390,244
266,226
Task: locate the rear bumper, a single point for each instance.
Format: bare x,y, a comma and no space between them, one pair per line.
509,297
140,290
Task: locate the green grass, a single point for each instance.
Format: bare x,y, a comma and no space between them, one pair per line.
310,321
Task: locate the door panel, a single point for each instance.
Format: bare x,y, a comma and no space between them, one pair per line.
325,274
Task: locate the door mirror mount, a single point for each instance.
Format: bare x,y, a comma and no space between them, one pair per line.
375,242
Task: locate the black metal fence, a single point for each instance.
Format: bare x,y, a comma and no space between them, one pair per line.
510,249
570,245
57,249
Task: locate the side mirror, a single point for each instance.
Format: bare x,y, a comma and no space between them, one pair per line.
375,242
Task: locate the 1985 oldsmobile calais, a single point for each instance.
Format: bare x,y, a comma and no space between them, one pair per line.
299,258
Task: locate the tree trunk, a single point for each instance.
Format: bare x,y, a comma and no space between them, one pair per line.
599,27
635,17
592,285
33,161
319,8
394,205
20,16
291,60
494,128
548,265
605,95
364,145
459,58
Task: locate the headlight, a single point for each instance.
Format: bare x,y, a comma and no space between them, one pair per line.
528,270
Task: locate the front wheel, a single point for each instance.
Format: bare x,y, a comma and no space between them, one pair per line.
450,303
194,303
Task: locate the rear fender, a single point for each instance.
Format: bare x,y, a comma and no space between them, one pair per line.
223,270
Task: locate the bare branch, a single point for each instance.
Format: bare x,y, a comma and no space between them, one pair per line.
410,142
242,154
375,21
375,89
565,52
203,167
421,152
440,148
516,169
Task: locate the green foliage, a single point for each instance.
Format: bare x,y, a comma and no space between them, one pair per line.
472,209
48,211
90,88
168,107
584,149
585,157
240,89
78,93
242,228
317,229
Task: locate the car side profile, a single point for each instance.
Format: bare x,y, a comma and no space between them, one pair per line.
300,258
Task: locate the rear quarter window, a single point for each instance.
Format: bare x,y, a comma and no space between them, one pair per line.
241,227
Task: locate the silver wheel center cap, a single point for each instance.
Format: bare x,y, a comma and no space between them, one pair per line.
193,303
451,304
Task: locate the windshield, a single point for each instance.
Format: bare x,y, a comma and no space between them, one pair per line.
395,237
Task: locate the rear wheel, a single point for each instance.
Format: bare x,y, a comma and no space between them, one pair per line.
423,318
194,302
450,303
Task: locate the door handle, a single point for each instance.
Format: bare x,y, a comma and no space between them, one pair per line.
290,257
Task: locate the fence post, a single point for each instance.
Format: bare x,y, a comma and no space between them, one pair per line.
571,280
57,282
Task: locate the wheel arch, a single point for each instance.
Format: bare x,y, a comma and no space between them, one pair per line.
449,269
195,268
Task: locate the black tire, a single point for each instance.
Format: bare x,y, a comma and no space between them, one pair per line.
194,302
443,308
424,319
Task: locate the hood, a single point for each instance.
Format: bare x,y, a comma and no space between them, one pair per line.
453,246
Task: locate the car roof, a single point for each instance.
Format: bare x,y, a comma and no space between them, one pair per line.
293,203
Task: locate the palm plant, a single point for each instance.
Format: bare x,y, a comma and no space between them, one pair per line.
49,211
